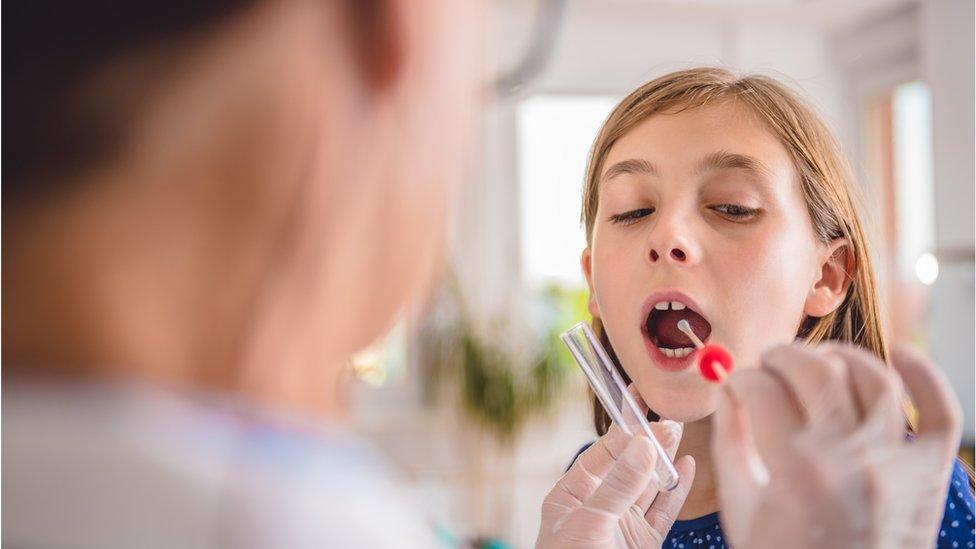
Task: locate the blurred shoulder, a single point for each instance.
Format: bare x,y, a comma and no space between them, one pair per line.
133,467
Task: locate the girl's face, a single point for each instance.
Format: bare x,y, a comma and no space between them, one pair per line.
701,218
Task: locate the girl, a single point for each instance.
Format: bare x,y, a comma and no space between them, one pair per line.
725,202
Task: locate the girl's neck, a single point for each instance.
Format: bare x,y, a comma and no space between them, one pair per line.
703,496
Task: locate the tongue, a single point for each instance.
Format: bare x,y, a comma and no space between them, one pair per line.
666,328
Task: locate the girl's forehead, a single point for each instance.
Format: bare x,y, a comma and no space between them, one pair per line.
677,141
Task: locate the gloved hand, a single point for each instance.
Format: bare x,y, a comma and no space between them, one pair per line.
610,496
811,450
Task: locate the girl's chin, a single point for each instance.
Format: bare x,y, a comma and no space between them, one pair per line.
686,416
685,409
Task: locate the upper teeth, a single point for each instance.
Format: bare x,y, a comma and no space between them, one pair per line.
665,305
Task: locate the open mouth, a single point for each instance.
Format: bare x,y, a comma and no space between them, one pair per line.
661,325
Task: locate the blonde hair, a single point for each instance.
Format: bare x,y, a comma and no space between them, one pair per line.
823,174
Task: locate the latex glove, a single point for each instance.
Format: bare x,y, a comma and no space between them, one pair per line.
810,450
610,496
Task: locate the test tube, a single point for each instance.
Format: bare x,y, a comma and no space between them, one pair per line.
612,392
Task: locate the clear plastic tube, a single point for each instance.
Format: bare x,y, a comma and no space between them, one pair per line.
612,392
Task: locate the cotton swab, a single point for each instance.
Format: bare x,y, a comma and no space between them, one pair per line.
714,362
686,328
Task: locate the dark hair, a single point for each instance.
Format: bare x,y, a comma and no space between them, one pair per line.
51,51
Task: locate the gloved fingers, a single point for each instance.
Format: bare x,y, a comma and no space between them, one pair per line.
636,532
662,513
918,498
625,482
587,472
818,383
733,443
668,434
876,395
742,477
939,415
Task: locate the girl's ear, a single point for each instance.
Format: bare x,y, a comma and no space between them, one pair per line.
586,261
836,274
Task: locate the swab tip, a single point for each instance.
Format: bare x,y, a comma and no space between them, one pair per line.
685,327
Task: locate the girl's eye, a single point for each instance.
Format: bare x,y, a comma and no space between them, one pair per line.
632,216
736,212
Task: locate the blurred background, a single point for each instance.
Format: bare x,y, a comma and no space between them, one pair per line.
481,409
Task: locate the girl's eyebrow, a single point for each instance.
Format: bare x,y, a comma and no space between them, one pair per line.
720,160
725,160
636,166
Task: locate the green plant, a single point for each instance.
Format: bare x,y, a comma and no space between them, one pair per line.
506,369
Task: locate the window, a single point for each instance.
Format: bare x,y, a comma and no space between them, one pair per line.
554,137
911,109
901,140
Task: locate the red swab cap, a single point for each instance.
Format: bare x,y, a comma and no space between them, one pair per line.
714,362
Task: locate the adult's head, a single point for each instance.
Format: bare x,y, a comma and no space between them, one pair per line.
225,194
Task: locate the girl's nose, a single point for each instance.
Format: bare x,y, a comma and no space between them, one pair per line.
674,238
676,254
